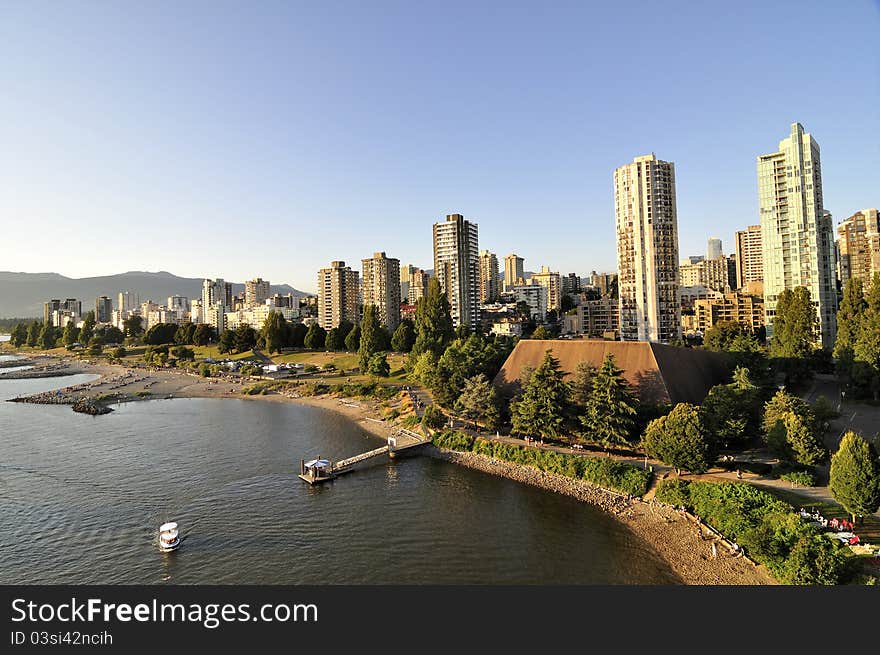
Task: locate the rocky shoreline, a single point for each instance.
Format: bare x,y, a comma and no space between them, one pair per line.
583,491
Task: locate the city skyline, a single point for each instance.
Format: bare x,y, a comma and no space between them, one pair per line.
289,127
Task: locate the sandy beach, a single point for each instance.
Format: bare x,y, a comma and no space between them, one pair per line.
673,535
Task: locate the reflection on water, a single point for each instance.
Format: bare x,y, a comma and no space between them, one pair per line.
85,495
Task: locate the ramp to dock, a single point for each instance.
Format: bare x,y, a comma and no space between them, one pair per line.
360,458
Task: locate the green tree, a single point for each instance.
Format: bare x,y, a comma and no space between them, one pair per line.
433,321
540,333
133,326
849,323
315,336
541,412
184,334
679,439
109,334
425,369
119,352
183,353
478,400
371,336
378,366
333,341
33,333
226,344
353,340
47,337
814,560
795,330
404,337
70,335
158,334
433,418
781,404
582,384
203,334
87,329
297,336
611,408
273,332
19,335
803,439
855,476
732,412
721,336
245,337
866,350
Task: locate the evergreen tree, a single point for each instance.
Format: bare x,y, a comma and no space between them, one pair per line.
679,439
404,337
33,334
343,330
855,476
70,335
226,343
371,336
425,369
433,322
19,335
47,337
333,341
850,314
353,339
611,409
274,332
721,336
315,336
803,440
541,412
582,384
245,337
478,400
781,404
87,330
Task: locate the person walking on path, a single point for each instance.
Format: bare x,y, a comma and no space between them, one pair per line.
714,551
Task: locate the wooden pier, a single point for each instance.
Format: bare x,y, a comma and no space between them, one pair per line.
321,470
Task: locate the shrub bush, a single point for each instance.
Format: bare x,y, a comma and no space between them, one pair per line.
433,418
601,471
803,478
768,528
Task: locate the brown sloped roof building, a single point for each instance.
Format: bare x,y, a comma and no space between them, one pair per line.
658,373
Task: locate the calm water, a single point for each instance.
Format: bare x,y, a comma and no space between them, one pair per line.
81,498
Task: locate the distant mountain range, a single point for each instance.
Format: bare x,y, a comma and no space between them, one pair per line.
23,294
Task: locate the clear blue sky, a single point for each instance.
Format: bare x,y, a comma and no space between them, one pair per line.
242,139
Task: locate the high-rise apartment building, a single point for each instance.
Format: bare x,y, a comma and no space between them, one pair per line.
797,235
647,250
381,287
128,301
489,277
749,258
103,309
713,248
216,302
457,267
413,284
513,271
858,242
710,273
338,295
256,292
546,278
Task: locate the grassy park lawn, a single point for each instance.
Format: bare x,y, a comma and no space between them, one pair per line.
343,361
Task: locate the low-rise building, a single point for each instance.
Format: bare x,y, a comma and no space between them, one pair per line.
742,308
533,295
594,318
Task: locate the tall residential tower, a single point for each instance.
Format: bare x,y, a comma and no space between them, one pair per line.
457,267
647,250
338,295
797,234
381,286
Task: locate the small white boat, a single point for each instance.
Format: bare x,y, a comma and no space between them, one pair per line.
169,537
